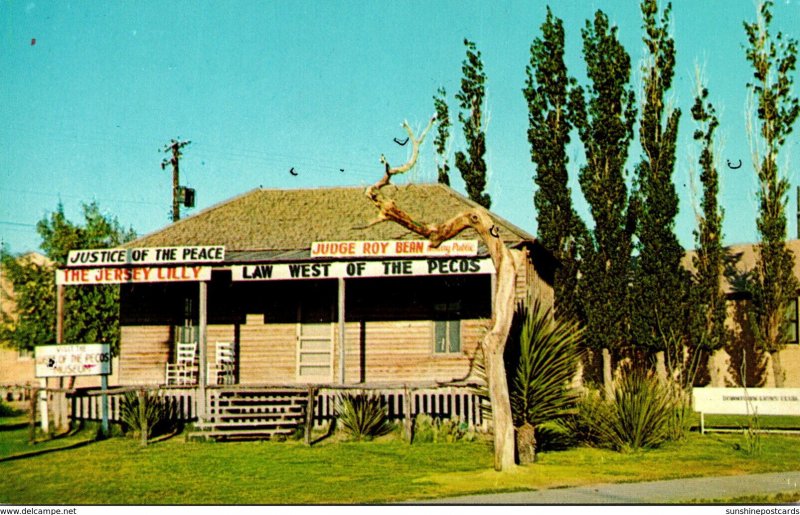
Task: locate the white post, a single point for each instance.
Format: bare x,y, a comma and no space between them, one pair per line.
341,315
202,337
43,405
104,389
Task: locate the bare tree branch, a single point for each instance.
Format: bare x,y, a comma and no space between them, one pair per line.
506,264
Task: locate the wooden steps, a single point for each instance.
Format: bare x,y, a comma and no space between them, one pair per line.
258,413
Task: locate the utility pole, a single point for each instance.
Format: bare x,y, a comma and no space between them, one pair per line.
174,147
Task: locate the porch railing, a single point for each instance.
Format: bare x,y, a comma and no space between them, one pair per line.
456,402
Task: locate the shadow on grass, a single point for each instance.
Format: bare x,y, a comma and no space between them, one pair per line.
39,452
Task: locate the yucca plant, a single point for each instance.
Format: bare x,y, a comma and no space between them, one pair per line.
639,415
541,361
547,361
145,414
362,416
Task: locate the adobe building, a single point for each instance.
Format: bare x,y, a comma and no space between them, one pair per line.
740,363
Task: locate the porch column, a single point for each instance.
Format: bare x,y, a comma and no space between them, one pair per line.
60,314
202,337
340,309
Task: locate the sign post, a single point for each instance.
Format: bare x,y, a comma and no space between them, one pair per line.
88,359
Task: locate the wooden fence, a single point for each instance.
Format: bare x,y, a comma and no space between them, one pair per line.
454,402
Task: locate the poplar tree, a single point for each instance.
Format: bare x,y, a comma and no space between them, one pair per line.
774,285
707,317
547,92
472,165
605,125
659,286
442,135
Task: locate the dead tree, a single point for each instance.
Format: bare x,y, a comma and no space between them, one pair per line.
506,263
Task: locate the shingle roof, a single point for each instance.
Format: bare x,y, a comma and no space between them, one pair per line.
280,224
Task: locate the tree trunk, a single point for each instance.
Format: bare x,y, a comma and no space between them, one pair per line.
506,263
526,444
501,411
608,380
777,368
661,367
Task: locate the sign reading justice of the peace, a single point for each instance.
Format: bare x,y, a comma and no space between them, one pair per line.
89,359
142,274
385,268
146,256
413,248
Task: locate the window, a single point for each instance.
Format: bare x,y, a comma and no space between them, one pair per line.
791,322
447,329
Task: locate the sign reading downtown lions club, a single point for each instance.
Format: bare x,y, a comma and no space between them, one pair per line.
747,401
87,359
354,269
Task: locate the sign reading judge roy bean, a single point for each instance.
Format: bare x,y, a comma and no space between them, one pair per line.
87,359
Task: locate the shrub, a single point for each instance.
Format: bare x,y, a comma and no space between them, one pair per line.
440,430
362,416
8,411
642,414
148,412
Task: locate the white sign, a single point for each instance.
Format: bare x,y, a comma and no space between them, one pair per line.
146,256
89,359
385,268
747,401
393,248
146,274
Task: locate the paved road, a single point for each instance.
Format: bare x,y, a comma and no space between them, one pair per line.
654,492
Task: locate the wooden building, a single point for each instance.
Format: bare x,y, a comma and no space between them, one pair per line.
296,287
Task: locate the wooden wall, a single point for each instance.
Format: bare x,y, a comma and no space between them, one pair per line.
144,350
394,351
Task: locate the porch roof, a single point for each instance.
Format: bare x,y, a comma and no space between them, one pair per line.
280,225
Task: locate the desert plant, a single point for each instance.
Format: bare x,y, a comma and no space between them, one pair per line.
638,415
440,430
145,414
547,359
362,416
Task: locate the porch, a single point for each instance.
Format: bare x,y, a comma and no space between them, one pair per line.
266,411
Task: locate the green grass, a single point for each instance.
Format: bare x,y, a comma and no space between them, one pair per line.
174,471
741,421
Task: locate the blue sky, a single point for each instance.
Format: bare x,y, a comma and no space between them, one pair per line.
92,91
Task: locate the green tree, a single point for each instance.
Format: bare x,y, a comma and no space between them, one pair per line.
91,313
659,285
707,316
549,116
605,126
473,166
33,319
773,60
442,135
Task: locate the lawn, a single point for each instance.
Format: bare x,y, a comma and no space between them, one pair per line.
174,471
